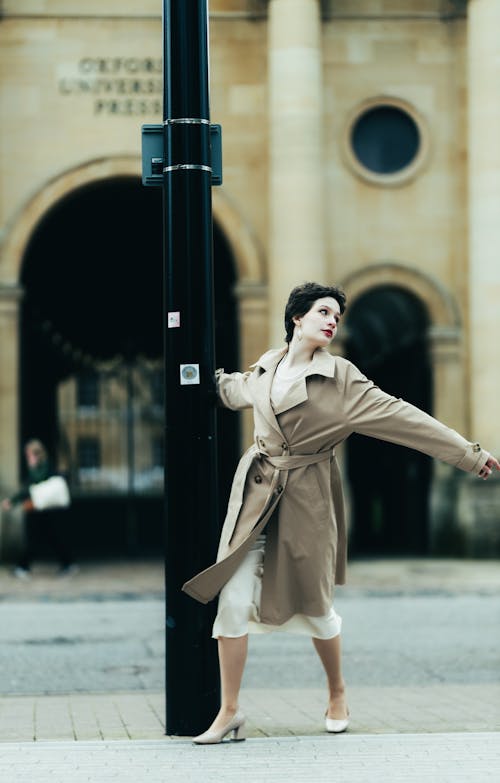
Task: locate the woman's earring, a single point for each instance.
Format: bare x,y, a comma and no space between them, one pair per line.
299,333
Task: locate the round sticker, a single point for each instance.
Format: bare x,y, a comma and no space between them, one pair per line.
189,372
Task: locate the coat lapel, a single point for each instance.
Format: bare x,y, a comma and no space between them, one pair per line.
268,363
323,363
296,394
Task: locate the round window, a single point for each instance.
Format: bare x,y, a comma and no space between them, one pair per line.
386,141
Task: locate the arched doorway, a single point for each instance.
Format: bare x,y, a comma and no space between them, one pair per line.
92,317
387,329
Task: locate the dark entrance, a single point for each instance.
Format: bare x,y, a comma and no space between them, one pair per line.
389,484
92,317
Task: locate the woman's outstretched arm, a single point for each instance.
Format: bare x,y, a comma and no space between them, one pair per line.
370,411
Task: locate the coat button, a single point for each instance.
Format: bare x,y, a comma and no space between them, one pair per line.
279,489
258,479
284,446
476,447
262,443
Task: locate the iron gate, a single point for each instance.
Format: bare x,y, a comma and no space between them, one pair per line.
111,424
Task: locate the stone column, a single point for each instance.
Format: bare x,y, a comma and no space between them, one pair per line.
484,222
447,362
478,503
445,345
9,386
253,316
10,530
296,197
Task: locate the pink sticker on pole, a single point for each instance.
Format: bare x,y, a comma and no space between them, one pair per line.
174,320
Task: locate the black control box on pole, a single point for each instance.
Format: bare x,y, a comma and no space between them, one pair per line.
192,520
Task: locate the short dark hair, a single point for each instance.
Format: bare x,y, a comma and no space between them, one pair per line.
302,298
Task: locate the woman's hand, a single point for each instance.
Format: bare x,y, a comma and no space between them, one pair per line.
490,465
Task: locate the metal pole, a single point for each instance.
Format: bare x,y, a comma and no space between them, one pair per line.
190,430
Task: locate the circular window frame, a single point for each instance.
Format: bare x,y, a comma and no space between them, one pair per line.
404,175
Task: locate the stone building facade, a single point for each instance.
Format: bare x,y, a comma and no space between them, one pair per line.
360,147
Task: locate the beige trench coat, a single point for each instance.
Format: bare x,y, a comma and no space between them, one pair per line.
290,476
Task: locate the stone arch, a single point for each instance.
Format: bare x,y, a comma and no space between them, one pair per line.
251,286
445,333
446,353
27,218
247,253
251,290
442,308
387,341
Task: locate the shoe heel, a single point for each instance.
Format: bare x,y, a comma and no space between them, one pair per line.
238,734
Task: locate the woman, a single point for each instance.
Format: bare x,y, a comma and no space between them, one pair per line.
283,544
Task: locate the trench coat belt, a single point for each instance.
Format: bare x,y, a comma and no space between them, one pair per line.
297,460
290,462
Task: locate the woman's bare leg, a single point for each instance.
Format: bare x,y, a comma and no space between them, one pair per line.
329,651
232,659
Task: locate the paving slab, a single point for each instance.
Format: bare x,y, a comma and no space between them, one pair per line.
280,712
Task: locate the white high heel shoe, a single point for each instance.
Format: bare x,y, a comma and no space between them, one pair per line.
334,726
215,737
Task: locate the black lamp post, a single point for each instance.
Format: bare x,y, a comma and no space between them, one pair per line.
190,429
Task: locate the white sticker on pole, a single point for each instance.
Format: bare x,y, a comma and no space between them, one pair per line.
174,320
190,373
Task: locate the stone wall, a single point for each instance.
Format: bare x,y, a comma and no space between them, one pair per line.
79,77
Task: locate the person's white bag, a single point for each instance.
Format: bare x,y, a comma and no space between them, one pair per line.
51,493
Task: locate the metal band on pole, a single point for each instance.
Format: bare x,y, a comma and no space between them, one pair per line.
186,121
187,167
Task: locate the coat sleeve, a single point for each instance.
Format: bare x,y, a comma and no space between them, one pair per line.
233,390
370,411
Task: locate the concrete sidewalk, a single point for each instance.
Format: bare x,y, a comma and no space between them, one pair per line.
431,734
271,712
281,712
407,758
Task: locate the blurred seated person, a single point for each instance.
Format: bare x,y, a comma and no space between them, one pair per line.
47,525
